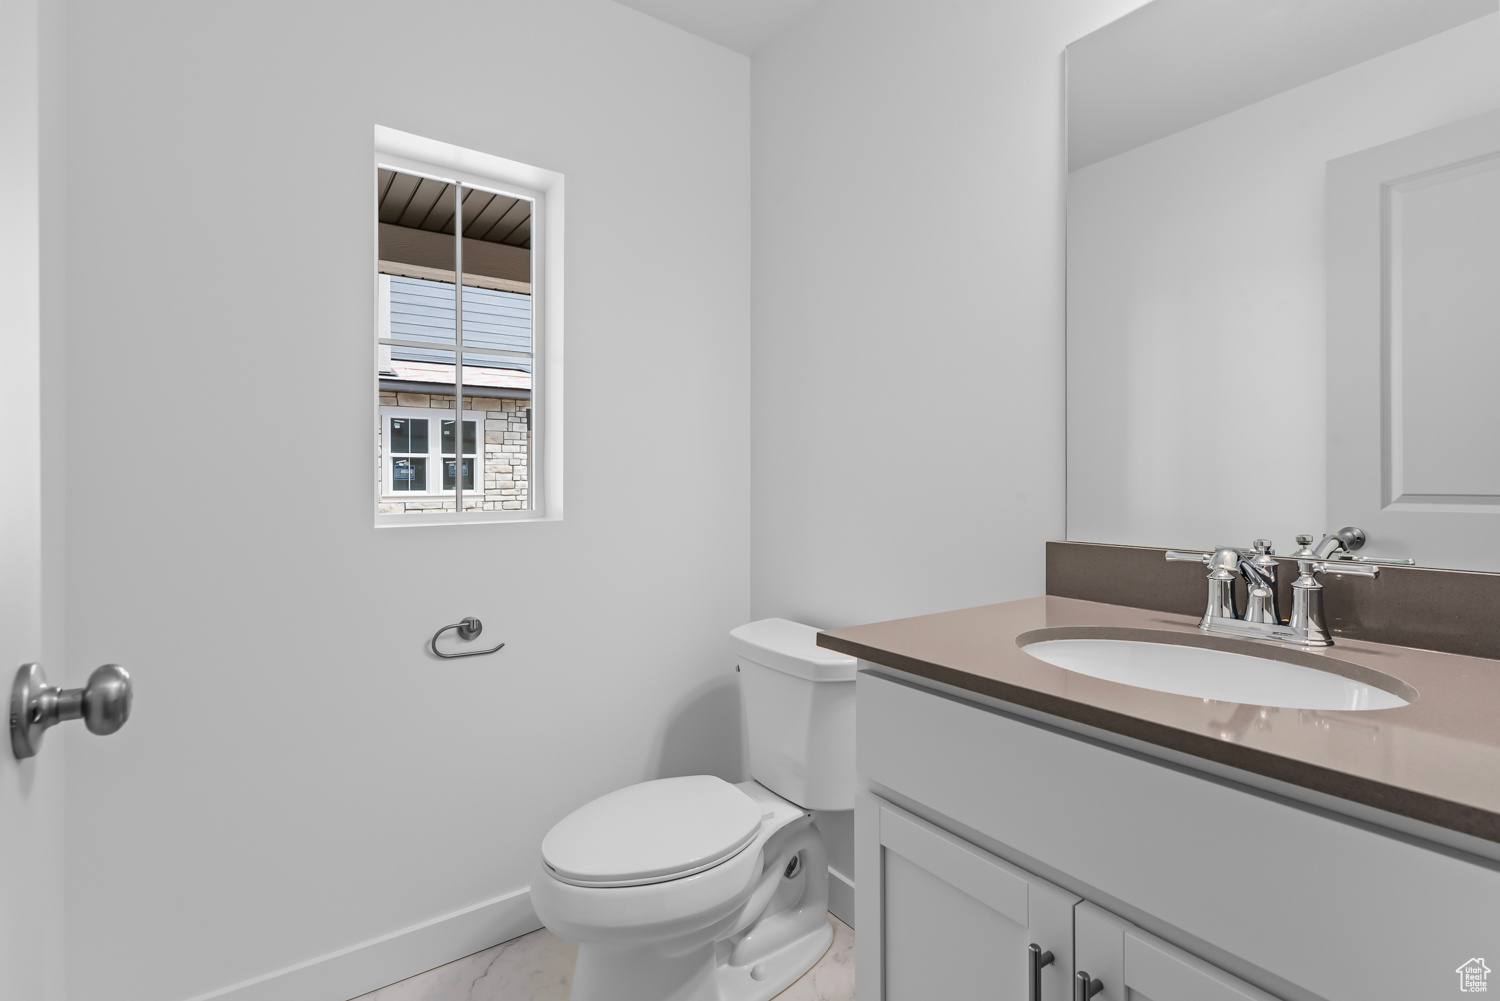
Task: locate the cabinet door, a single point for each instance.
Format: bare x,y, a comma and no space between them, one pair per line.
940,918
1134,965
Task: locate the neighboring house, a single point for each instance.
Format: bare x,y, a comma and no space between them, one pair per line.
416,460
1473,976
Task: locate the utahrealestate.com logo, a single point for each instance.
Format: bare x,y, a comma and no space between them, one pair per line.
1472,976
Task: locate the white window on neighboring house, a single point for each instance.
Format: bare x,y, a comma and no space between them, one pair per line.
461,328
421,460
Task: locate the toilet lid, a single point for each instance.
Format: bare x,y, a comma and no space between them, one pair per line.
652,832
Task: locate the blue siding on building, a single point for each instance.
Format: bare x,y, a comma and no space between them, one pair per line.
422,310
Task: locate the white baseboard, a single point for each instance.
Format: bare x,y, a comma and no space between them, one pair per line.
841,896
362,968
359,969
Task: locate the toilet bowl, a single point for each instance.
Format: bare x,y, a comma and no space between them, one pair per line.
694,889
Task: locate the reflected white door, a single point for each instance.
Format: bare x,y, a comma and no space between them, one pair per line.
1414,345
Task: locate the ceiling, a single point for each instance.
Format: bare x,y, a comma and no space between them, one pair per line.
742,25
423,203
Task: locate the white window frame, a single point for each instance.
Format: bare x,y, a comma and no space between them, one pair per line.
434,454
415,154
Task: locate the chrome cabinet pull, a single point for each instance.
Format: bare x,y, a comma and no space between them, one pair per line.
103,705
1037,959
468,628
1085,987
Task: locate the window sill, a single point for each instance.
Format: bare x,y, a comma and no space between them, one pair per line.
416,520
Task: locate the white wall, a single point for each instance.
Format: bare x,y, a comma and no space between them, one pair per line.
908,438
299,776
1196,308
908,308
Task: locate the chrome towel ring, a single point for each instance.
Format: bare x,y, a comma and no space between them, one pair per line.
468,628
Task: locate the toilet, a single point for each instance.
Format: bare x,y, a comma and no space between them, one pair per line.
696,889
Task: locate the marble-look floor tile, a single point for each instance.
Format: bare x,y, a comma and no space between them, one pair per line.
833,978
534,967
539,967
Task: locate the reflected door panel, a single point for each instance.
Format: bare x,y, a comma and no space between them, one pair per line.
1414,343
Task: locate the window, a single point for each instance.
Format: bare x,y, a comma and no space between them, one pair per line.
461,351
420,463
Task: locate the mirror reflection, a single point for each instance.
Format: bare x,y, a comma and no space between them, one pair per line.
1283,234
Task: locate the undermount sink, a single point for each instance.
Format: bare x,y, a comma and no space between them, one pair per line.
1212,672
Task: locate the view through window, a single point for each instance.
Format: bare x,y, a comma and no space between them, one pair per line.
451,434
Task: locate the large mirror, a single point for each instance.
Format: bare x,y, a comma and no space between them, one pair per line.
1284,276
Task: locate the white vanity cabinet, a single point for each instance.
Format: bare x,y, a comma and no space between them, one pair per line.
980,830
956,922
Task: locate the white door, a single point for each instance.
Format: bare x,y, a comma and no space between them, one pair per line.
1414,345
940,918
31,791
1120,961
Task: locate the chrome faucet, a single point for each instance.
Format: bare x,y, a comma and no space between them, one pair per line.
1306,626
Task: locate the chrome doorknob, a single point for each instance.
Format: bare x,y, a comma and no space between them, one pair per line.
106,699
103,705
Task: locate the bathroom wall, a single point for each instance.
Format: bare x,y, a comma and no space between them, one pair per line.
1201,256
908,304
908,309
299,778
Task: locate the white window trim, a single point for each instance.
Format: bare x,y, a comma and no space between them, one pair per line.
415,154
435,416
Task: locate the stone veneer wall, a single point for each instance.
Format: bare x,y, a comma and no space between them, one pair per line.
506,433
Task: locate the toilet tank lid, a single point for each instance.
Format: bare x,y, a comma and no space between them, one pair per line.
791,647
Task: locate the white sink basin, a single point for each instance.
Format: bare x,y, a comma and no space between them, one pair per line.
1214,674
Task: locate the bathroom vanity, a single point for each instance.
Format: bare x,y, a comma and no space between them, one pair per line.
1159,845
1282,226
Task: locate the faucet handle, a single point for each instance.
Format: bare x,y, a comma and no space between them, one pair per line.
1310,567
1224,562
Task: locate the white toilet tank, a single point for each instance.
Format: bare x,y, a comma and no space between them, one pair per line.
799,708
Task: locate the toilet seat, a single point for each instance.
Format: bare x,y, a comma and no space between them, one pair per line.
652,832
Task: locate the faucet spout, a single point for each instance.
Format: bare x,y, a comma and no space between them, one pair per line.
1347,539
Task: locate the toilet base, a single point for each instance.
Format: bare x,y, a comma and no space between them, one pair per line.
774,974
780,933
612,973
605,972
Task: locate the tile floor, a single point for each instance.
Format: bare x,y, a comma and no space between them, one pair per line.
539,967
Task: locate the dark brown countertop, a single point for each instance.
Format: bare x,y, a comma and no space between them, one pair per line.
1436,760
